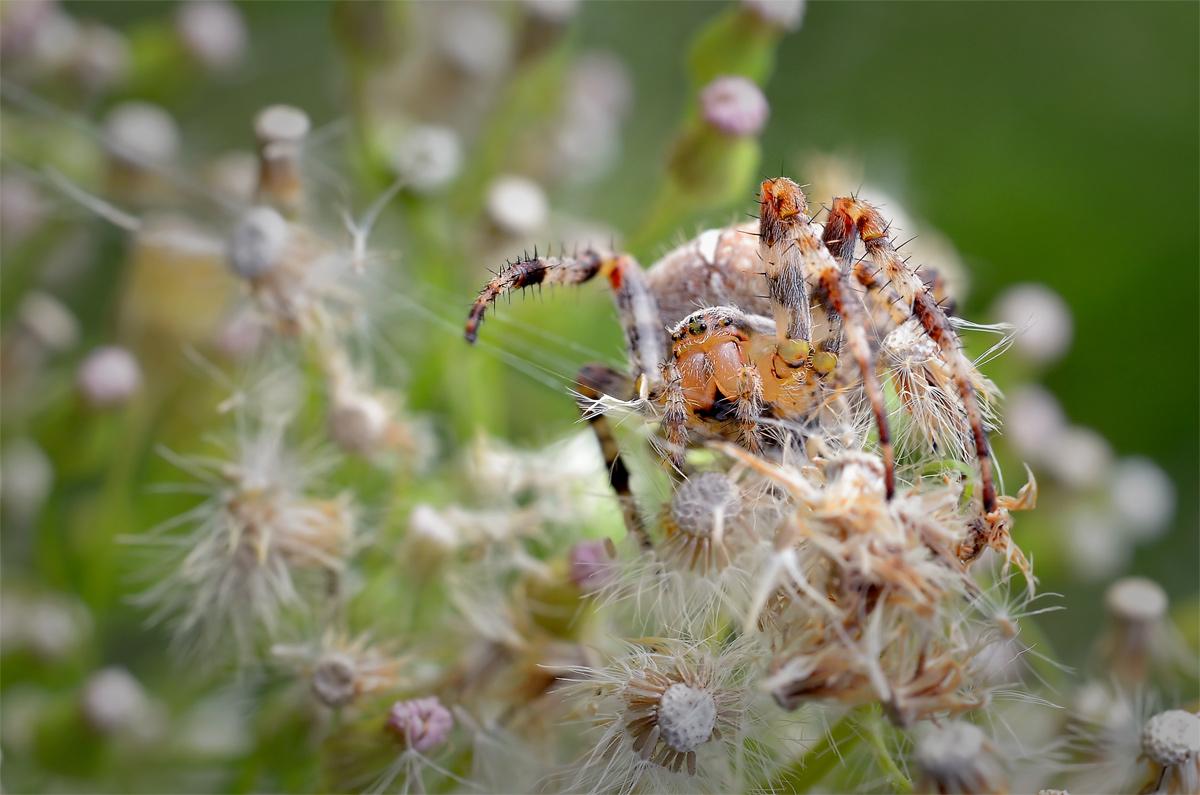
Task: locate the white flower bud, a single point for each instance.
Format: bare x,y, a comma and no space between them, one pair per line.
957,757
257,242
1081,458
109,376
51,323
517,205
28,478
141,133
475,40
334,680
1044,316
1136,600
786,14
113,701
358,422
734,105
281,124
428,157
213,31
1144,496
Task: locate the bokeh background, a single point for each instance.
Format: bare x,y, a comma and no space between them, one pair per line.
1054,143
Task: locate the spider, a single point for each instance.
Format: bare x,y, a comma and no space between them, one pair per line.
746,334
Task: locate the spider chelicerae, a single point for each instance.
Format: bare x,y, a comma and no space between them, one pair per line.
774,334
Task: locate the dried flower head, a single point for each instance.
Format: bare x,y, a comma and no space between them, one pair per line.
236,570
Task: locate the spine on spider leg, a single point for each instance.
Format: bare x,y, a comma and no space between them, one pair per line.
785,223
531,271
781,259
912,291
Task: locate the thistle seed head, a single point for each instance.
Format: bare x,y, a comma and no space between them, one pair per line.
1172,738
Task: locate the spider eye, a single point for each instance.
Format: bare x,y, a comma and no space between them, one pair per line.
824,363
794,351
697,327
726,321
675,337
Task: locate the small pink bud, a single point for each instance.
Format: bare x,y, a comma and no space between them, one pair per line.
422,723
109,376
734,106
591,565
213,31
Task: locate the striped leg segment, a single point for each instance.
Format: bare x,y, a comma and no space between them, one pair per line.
915,299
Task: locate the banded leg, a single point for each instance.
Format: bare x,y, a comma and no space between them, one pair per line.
593,381
675,414
781,257
644,334
916,297
749,406
786,224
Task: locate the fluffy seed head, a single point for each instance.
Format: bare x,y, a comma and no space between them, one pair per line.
1172,738
421,723
687,716
734,105
257,242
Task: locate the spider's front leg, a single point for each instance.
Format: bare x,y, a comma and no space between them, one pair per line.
792,250
644,335
916,300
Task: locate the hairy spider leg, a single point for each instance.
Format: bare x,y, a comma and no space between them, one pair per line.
635,303
791,247
918,301
595,380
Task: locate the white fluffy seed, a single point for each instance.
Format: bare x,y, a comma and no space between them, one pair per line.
1172,738
257,242
686,717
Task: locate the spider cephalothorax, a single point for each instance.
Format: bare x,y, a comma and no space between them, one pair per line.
785,345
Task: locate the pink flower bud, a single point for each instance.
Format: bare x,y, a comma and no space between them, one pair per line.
110,375
734,105
422,723
591,565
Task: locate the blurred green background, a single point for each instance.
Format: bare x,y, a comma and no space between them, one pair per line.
1055,142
